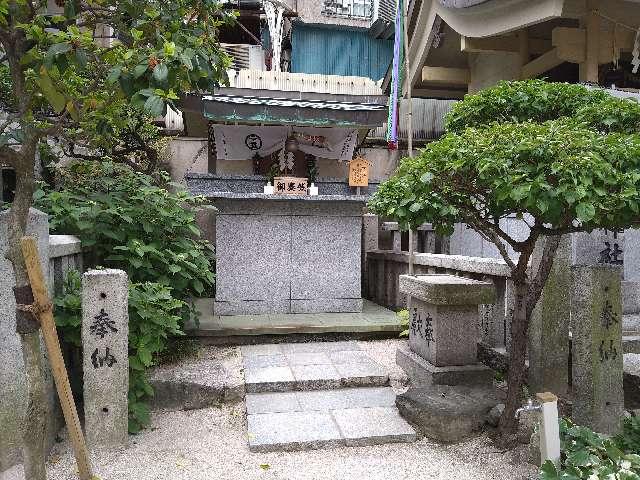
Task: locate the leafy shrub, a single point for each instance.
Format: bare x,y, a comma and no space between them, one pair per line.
525,101
403,317
68,309
132,221
590,456
126,221
153,318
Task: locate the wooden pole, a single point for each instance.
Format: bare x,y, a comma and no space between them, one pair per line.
44,312
407,76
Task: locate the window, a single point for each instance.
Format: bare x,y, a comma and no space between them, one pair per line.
348,8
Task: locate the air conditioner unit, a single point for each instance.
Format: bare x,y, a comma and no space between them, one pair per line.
244,56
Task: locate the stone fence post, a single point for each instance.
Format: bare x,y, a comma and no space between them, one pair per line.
549,329
105,334
596,309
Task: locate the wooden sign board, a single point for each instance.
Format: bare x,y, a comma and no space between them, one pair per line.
359,172
290,186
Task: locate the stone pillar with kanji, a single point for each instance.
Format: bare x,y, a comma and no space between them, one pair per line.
105,333
597,362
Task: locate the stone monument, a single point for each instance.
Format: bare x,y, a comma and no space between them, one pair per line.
451,392
596,310
105,334
443,330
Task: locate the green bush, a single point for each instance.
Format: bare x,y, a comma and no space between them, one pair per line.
133,222
591,456
403,317
153,319
126,221
525,101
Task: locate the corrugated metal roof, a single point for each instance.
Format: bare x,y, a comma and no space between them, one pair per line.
427,118
339,52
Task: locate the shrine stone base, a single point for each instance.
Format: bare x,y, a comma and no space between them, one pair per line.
278,254
423,373
447,413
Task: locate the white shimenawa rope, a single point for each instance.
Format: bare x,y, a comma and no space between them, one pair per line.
274,20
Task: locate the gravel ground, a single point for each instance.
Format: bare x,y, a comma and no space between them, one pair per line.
211,444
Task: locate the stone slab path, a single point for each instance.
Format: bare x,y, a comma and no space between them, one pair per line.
313,395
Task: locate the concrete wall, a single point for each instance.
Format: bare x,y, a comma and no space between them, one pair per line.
487,69
12,391
186,154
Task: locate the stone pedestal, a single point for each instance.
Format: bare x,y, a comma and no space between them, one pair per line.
105,336
288,255
596,310
443,329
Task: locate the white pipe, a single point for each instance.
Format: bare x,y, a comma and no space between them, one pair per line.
549,428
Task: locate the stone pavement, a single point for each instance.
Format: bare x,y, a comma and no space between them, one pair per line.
313,395
372,319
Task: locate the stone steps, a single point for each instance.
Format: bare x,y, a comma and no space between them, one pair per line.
309,366
315,395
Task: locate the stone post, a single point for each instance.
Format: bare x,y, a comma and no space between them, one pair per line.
396,233
369,243
13,392
596,309
492,316
105,334
549,327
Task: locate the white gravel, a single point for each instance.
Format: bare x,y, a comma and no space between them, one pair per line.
211,444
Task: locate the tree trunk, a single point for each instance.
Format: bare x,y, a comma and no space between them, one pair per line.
34,423
515,377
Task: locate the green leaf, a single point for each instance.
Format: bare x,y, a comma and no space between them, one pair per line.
114,74
58,48
55,98
169,49
69,9
160,73
585,212
140,70
426,177
548,471
136,34
154,105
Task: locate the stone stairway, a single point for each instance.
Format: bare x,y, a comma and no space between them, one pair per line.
314,395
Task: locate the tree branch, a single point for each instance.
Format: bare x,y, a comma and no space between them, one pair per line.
540,279
491,235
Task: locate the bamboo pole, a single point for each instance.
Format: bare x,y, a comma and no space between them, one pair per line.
407,76
43,310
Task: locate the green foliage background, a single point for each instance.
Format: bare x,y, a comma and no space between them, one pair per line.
126,221
556,151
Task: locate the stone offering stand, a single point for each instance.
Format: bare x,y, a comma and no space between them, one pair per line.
452,393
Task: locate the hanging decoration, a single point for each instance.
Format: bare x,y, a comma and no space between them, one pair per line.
274,13
396,78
